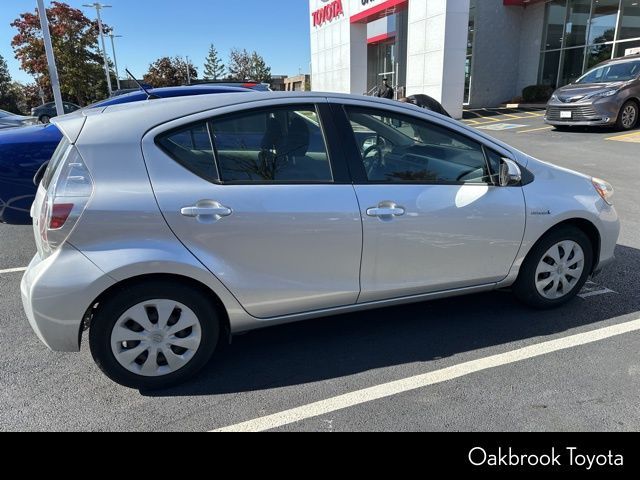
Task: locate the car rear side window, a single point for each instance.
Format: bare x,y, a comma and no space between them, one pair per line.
275,145
191,147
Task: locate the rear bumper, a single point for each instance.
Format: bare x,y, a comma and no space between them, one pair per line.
57,292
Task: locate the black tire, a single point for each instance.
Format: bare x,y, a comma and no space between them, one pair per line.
525,287
620,122
112,308
45,119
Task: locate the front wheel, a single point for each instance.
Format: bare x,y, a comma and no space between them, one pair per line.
45,119
154,335
556,269
628,117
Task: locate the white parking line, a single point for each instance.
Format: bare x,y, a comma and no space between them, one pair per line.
594,290
420,381
596,293
13,270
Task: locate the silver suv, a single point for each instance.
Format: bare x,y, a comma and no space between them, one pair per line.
166,225
607,95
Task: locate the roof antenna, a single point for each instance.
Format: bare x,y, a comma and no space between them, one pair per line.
150,96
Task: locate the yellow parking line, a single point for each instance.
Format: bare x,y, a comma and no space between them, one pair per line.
627,137
536,129
471,122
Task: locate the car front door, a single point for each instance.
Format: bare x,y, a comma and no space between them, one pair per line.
261,200
433,218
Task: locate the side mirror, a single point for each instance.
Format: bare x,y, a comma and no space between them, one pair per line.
40,174
510,173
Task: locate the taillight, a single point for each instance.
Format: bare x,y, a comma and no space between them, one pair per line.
59,215
68,194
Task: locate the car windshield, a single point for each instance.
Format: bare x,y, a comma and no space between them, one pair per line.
616,72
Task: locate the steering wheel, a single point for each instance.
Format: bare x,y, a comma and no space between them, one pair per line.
372,163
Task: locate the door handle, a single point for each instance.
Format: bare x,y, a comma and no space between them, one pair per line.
206,208
386,211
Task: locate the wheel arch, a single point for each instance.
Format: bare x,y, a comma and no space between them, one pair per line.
131,282
585,226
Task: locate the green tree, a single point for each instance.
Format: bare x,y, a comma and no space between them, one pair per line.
239,65
213,68
75,45
260,72
245,66
6,100
169,72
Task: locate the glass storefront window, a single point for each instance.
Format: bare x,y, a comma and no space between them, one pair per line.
580,34
469,60
622,47
602,27
554,30
597,54
577,21
630,20
549,71
573,65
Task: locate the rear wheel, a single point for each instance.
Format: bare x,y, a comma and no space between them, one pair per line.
154,335
628,117
556,269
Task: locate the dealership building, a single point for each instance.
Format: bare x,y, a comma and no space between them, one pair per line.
465,52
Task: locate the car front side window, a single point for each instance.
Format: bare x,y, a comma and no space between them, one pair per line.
401,149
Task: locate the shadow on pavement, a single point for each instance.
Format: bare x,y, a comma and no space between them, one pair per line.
335,347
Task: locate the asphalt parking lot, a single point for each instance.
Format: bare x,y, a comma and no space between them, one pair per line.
476,363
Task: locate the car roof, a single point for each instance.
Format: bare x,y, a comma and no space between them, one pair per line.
628,58
133,120
168,92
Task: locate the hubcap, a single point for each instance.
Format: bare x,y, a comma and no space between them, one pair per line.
156,338
629,116
560,270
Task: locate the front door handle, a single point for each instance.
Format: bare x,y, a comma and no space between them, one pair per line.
386,211
208,209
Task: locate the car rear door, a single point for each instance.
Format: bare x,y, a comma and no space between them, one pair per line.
433,219
263,199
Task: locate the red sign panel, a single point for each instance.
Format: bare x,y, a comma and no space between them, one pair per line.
327,13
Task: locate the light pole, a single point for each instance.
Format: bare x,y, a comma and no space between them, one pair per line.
188,71
115,60
99,6
51,60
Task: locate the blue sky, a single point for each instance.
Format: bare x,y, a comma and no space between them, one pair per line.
277,29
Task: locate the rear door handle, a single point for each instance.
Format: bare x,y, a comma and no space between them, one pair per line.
386,211
206,208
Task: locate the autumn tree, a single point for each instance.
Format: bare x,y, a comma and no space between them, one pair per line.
169,72
75,45
213,68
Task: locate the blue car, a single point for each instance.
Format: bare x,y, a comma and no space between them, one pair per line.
23,151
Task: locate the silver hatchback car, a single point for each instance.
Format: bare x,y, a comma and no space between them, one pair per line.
607,95
166,225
